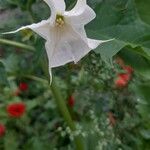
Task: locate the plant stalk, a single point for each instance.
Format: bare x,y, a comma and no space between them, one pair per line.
65,113
17,44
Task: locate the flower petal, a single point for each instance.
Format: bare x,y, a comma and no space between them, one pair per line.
65,46
79,49
83,18
62,55
41,28
49,52
78,43
78,9
56,5
92,43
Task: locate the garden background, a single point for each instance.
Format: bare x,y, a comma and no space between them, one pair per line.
107,93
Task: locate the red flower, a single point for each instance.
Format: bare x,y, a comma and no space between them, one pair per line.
16,110
125,76
71,101
120,83
122,80
2,130
23,86
128,69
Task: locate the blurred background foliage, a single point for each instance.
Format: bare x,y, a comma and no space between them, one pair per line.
109,115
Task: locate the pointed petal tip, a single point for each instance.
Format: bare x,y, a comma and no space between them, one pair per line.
56,5
92,43
104,41
11,32
15,31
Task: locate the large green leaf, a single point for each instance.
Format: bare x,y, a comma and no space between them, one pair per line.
119,19
143,9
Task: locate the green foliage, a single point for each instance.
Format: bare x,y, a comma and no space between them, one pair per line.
107,117
10,141
139,63
23,4
119,20
3,76
3,4
143,9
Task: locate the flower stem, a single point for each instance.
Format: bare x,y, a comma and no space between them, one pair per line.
65,113
16,44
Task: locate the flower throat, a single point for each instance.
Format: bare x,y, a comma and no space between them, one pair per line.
59,20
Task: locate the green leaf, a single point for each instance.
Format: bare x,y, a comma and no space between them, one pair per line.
108,50
143,9
143,90
37,144
3,75
119,19
32,104
10,141
145,134
11,63
140,64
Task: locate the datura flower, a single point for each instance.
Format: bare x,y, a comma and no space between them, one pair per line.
64,32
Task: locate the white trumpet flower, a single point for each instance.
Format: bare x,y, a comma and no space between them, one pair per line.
64,32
